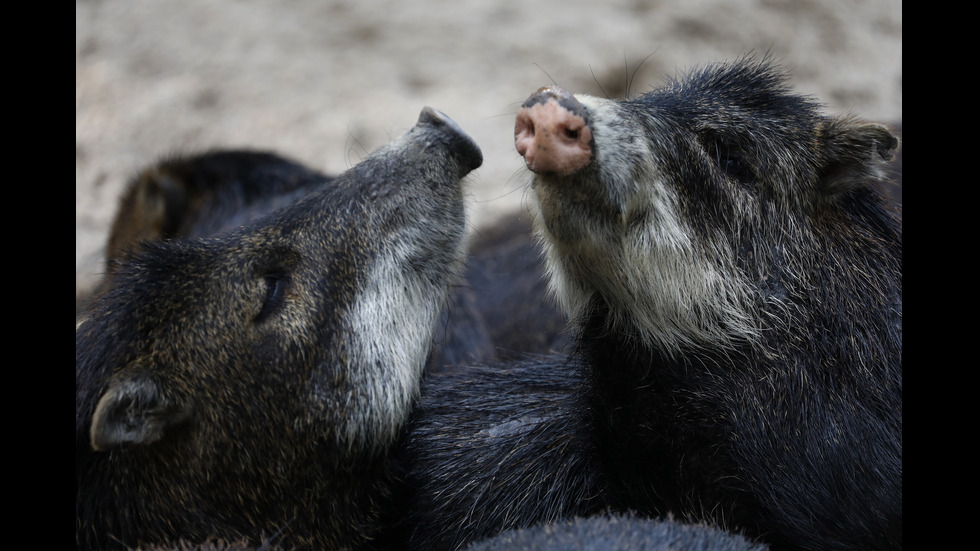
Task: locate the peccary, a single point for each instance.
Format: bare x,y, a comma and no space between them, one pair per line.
251,384
733,270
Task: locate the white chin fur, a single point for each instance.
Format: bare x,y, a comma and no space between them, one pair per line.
661,285
391,330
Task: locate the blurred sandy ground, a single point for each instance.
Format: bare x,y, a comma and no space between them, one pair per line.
328,81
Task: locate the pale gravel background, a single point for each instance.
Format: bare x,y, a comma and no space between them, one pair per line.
327,81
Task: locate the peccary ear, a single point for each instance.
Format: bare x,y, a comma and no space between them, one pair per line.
855,154
146,211
132,412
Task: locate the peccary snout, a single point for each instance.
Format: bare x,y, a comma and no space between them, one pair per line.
456,140
552,132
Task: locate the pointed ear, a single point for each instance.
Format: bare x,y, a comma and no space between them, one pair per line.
147,211
133,412
856,153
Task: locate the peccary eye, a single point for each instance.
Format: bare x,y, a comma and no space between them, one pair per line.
275,291
732,163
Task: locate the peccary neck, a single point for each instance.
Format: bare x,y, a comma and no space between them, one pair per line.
696,434
655,416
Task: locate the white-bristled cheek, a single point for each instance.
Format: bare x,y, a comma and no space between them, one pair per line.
621,156
622,151
391,331
661,283
677,291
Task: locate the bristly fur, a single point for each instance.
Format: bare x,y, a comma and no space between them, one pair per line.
734,274
737,274
254,382
618,532
496,447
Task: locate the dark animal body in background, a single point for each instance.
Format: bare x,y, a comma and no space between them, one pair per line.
205,195
617,533
250,385
733,269
893,174
501,310
608,532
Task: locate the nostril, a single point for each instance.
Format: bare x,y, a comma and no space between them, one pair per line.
523,133
524,125
571,134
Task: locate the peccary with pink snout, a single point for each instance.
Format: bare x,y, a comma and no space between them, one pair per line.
733,271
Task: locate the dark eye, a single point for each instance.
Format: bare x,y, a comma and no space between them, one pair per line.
731,162
275,292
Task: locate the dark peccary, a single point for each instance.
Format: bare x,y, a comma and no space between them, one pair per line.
734,271
617,533
499,309
250,385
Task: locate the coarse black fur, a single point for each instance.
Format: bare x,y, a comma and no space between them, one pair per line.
244,544
734,270
250,385
779,412
495,447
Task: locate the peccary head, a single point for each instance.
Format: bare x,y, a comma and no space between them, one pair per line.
238,385
700,204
